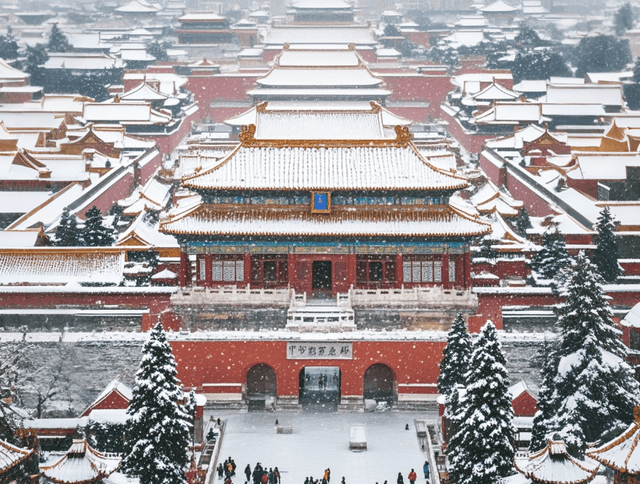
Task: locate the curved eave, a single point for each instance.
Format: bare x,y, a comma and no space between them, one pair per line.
633,432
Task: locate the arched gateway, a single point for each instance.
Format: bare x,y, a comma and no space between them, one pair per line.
261,386
378,384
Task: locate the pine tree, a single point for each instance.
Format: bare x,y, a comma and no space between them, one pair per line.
523,222
96,233
623,19
606,253
546,413
548,262
67,233
156,447
58,42
480,451
455,358
594,390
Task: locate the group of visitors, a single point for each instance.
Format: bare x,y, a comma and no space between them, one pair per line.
412,476
228,470
326,478
261,475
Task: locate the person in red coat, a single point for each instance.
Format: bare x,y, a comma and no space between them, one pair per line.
412,476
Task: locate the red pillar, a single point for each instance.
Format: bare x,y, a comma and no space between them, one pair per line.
291,265
208,275
184,269
247,269
399,270
352,270
445,270
467,270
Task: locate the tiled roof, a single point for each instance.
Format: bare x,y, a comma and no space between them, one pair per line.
360,167
347,221
621,453
10,455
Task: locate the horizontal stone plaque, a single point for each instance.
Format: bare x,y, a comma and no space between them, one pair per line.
319,351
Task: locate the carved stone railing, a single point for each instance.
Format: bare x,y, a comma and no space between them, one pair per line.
233,295
434,298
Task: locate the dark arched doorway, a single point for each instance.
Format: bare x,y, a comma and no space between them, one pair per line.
320,388
378,384
261,387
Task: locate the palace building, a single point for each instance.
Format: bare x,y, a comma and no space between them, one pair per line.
321,216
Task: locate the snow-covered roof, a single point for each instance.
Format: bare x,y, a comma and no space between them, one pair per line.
553,465
326,34
146,233
321,5
165,274
202,16
603,166
137,6
143,92
109,416
337,125
489,199
11,456
300,77
467,38
605,94
632,319
81,464
499,6
318,58
567,109
57,266
324,168
525,86
270,220
623,452
138,112
80,61
19,238
507,113
8,72
608,77
250,116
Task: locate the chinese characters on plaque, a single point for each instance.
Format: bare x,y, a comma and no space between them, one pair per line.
319,351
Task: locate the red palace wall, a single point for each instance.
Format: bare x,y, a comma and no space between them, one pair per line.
473,143
167,143
525,405
231,87
417,88
112,401
119,190
503,268
227,362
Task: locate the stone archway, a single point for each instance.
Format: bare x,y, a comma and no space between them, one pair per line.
261,387
379,384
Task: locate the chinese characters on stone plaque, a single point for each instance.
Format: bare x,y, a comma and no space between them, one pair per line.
319,351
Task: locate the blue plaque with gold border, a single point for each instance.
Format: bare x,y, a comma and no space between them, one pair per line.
320,202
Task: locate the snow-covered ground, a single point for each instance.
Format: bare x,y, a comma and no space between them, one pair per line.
321,440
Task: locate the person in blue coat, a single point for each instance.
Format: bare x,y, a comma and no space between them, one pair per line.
425,469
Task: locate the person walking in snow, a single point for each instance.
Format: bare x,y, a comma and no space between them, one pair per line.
425,469
220,470
400,478
327,474
247,472
412,476
276,473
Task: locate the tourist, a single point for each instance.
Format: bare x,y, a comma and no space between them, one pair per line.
247,472
228,481
220,471
276,473
233,466
400,478
343,481
271,476
327,474
412,476
425,469
265,478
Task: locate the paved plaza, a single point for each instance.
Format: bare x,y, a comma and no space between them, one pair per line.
321,440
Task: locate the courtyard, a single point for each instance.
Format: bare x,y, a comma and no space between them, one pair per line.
320,441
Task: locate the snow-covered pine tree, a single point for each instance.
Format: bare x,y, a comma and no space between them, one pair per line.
594,387
480,451
156,447
606,253
58,42
455,358
96,233
67,232
543,419
548,262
